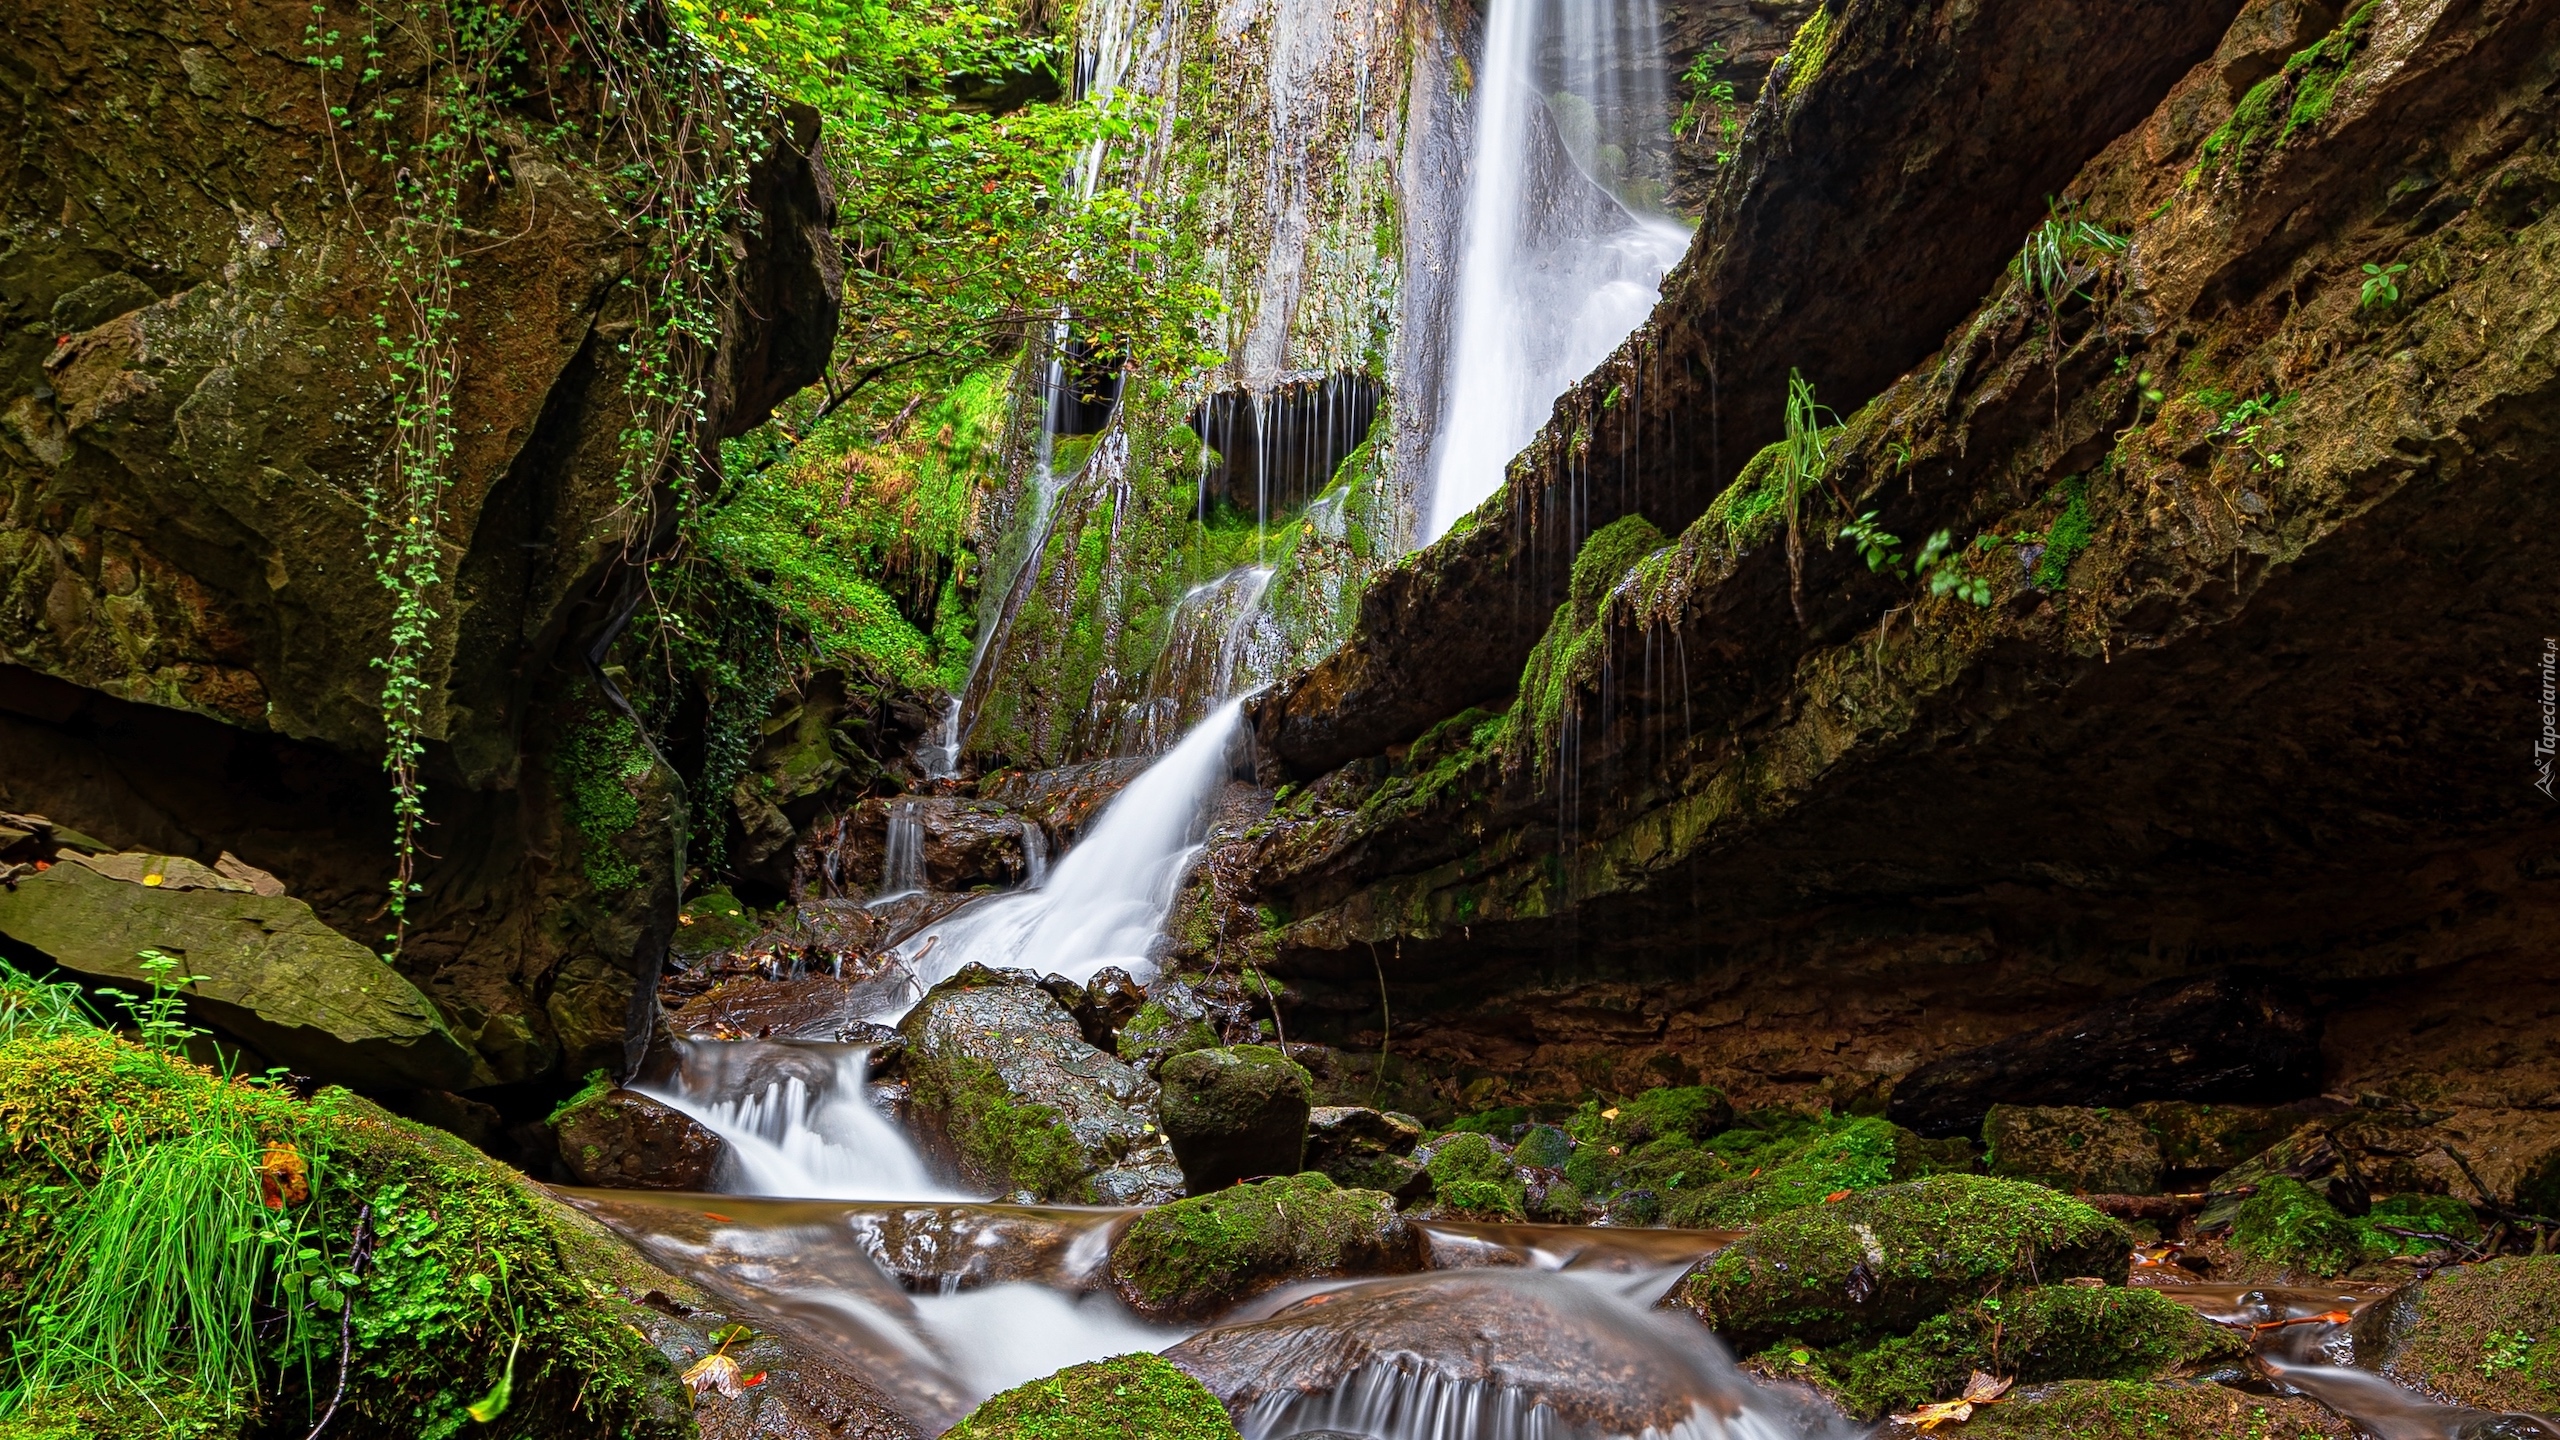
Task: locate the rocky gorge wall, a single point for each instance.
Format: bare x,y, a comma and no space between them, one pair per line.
2259,542
198,269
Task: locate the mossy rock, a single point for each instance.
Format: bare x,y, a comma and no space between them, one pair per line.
2071,1148
2288,1223
1234,1112
1156,1034
2193,1136
2147,1410
1125,1397
2052,1332
1879,1262
1655,1172
1196,1257
1470,1177
1128,1397
2485,1335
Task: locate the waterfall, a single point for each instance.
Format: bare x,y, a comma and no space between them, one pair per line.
1563,255
902,871
796,1121
1106,899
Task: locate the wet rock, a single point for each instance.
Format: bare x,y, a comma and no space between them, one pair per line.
1881,1261
1173,1021
1195,1258
273,974
810,1007
1128,1396
1112,1000
2352,1154
1518,1334
2230,1037
2132,1410
1543,1146
1234,1112
2053,1332
2485,1335
1008,1093
1065,800
2287,1224
2106,1152
2197,1140
1777,1161
1149,1176
1364,1149
623,1140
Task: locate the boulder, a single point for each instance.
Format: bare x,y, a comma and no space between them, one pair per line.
2136,1410
1879,1262
1115,1399
2485,1335
1234,1112
623,1140
1173,1020
2237,1036
1364,1149
806,1007
1472,1178
299,992
1008,1093
2197,1139
2105,1152
1195,1258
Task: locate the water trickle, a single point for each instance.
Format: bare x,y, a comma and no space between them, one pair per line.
1106,899
1563,255
902,871
797,1120
1035,855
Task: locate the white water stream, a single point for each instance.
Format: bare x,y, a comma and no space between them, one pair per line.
1557,266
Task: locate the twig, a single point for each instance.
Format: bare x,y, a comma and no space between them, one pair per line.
359,1250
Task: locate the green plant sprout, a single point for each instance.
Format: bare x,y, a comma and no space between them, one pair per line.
2051,262
1710,99
1935,566
1804,459
2380,286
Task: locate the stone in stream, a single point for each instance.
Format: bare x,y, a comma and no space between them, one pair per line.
302,994
622,1139
1235,1112
1880,1261
1124,1398
1365,1149
1007,1092
2104,1152
2132,1410
2485,1335
1197,1258
2237,1036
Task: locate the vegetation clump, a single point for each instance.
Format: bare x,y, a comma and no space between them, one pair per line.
2290,1224
1873,1264
1127,1397
1192,1258
1468,1175
1672,1155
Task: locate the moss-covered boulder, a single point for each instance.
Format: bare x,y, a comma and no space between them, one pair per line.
1164,1028
112,1140
622,1139
1128,1397
1008,1093
1879,1262
1233,1112
2104,1152
2289,1224
2485,1335
1472,1178
2145,1410
272,973
2051,1332
1660,1158
1193,1258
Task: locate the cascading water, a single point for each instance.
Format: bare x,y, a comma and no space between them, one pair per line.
1562,256
796,1121
902,867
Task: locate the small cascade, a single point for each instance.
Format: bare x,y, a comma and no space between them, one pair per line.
1563,255
1206,657
1035,856
797,1120
902,867
1105,901
939,755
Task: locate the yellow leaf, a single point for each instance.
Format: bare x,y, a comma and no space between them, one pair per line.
1928,1418
1982,1389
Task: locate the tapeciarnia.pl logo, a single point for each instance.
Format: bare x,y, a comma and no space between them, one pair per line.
2548,742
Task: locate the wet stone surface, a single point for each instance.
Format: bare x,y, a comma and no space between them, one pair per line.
622,1139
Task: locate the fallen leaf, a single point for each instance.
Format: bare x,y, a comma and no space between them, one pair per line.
1928,1418
1836,1196
1983,1388
718,1372
283,1177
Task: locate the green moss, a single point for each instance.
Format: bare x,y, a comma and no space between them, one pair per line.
600,1083
2296,98
600,764
1028,1145
1568,657
2290,1224
1775,1161
2434,1214
1807,52
1467,1174
1916,1249
2053,1332
1154,1033
1196,1256
2066,537
1129,1397
2143,1410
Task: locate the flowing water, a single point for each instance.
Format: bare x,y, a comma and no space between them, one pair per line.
1562,255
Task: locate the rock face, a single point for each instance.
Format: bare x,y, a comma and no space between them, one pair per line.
1196,1258
192,410
1234,1112
1883,1260
1363,1149
2071,1149
1007,1092
1818,826
624,1140
304,995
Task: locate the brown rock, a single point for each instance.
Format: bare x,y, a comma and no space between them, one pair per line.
2073,1149
621,1139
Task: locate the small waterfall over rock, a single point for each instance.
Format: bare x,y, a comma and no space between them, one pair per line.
1563,255
796,1120
902,870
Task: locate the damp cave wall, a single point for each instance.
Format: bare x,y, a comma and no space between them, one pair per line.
194,409
2272,704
